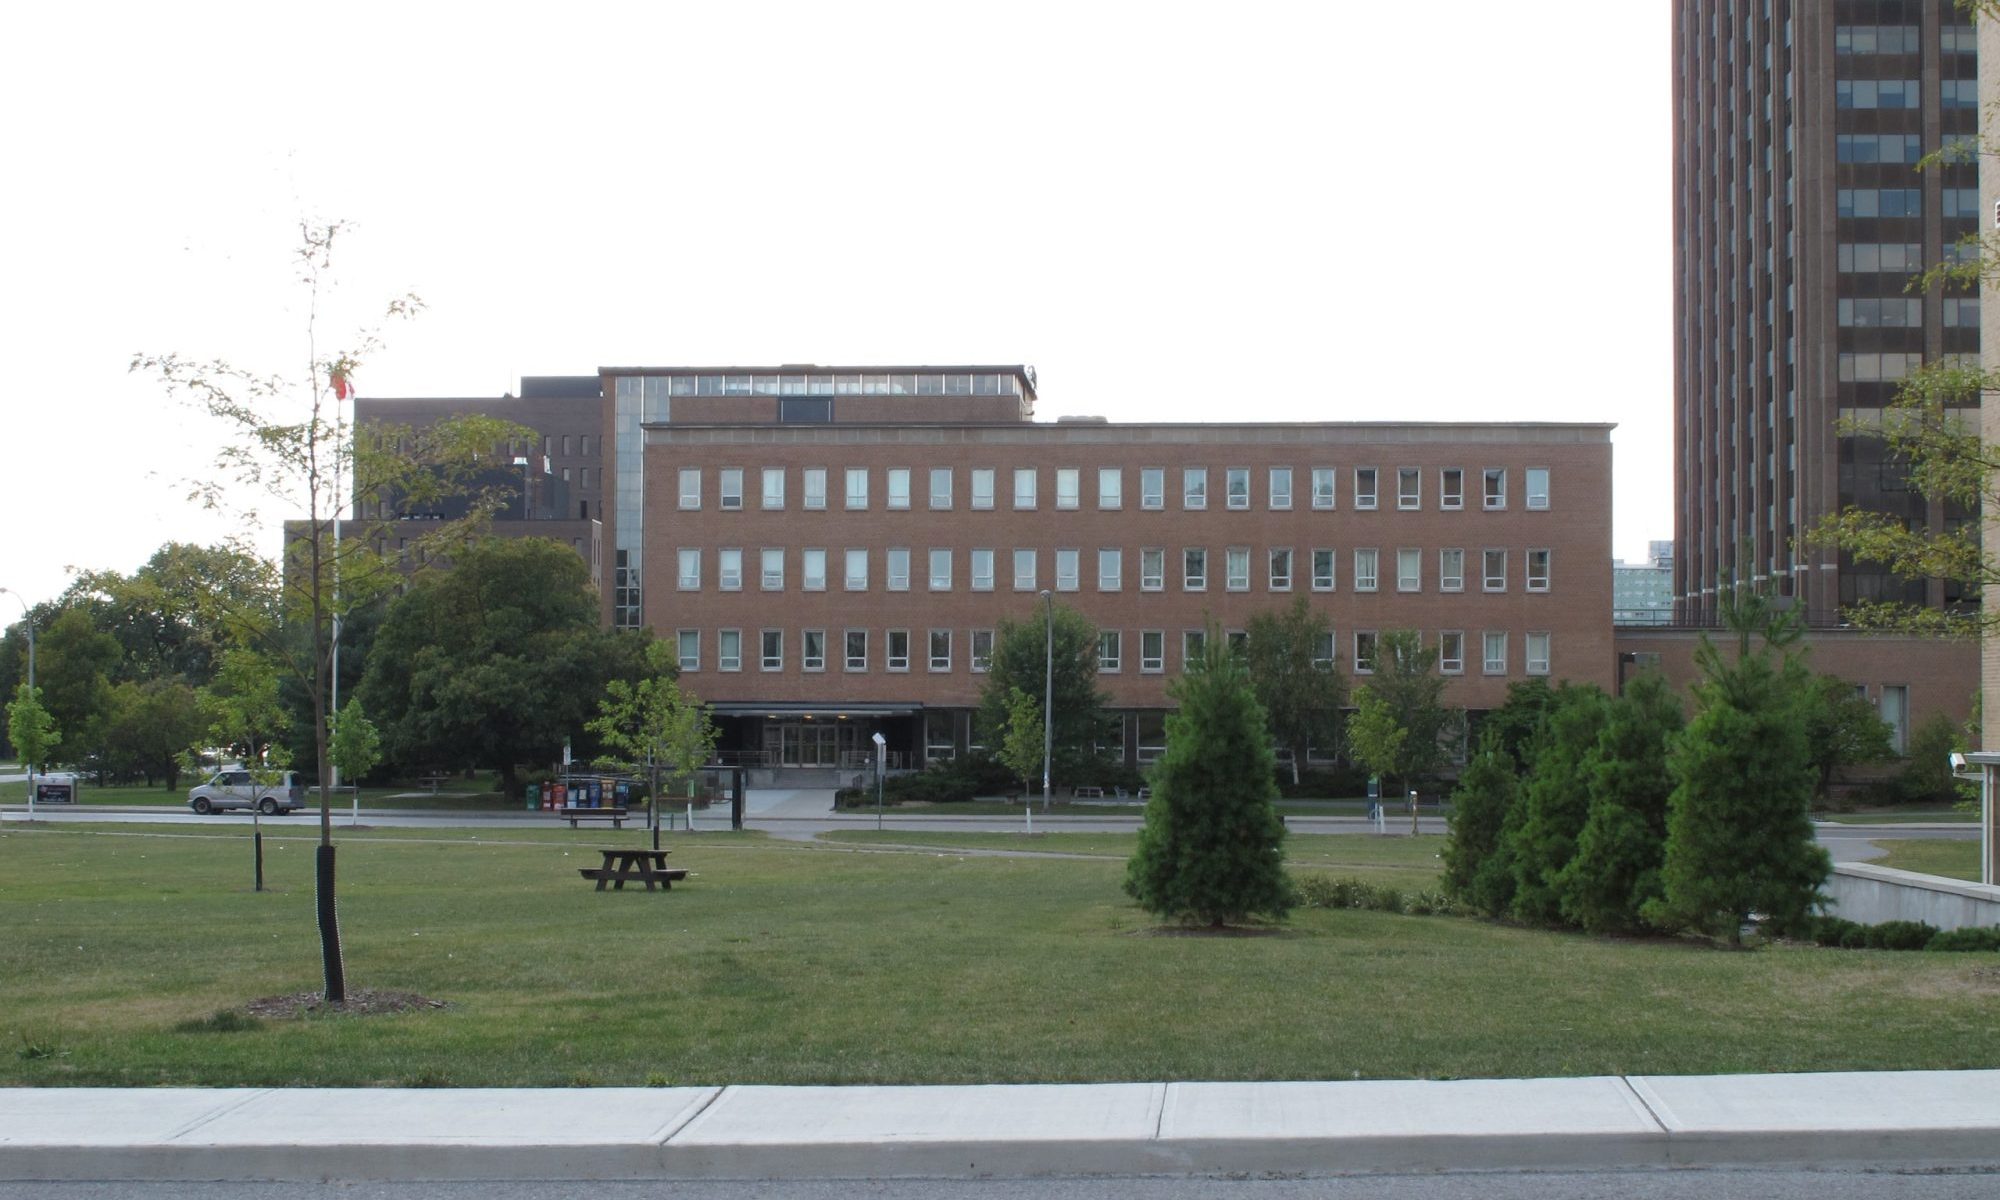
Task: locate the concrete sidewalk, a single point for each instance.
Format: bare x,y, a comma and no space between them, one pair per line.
1897,1119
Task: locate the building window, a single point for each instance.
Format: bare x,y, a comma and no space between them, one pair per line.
1024,570
732,488
729,650
1110,570
899,569
1108,651
774,650
982,649
1451,488
1194,570
1878,93
940,570
1152,488
1281,569
1069,487
1895,713
815,487
690,649
1281,488
1194,487
1367,562
1193,642
729,570
982,570
812,652
1236,568
1409,487
1538,570
1152,569
1496,487
1495,574
982,487
1364,487
899,487
1152,651
812,570
857,570
938,735
1537,662
1955,93
690,487
899,650
1322,565
1110,487
940,649
856,658
1409,570
1538,485
1451,652
857,487
1879,313
1496,654
1323,650
772,567
1364,652
1451,570
1322,487
940,487
1237,480
1067,569
1024,487
774,487
690,570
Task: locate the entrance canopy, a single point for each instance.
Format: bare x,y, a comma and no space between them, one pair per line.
819,712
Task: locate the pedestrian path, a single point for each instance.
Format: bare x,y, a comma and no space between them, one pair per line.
1902,1120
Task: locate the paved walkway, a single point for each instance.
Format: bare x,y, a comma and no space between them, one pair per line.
1902,1120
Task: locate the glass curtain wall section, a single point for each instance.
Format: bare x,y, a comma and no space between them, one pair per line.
637,400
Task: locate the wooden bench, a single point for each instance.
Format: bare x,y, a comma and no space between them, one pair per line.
614,815
1090,793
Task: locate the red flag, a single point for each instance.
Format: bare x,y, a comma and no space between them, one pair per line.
343,387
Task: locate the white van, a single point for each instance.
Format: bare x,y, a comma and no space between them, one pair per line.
237,788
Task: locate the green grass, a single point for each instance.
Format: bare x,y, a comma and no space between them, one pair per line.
1940,856
1899,816
793,963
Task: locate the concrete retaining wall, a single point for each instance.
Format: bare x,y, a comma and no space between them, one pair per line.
1872,895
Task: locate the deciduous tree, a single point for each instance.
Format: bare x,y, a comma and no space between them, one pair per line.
1301,689
1400,717
1019,650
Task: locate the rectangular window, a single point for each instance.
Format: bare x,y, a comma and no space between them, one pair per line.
1323,650
857,570
1364,652
1193,642
1451,488
1152,650
1152,488
1281,488
1367,563
1067,570
940,649
1538,570
690,649
1451,570
1364,487
690,487
1236,568
774,650
1069,487
1194,487
940,487
857,487
774,487
1110,487
1409,570
982,649
1024,570
1323,559
729,570
690,570
1152,569
815,487
772,569
1537,654
1107,650
1322,487
1409,487
899,650
812,650
982,487
1110,570
1237,481
899,487
1194,570
1281,570
940,569
856,657
1496,487
899,569
982,570
812,570
1495,574
1451,652
1496,654
729,650
1024,487
732,488
1895,713
1538,487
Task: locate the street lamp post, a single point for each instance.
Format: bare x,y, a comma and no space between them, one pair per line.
1048,688
29,615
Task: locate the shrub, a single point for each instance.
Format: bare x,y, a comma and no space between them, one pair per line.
1831,931
1987,938
1900,935
1334,783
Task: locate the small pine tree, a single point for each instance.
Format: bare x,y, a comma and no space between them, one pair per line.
1616,869
1487,788
1212,848
1555,800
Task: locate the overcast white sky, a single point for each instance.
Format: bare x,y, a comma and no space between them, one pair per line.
1456,210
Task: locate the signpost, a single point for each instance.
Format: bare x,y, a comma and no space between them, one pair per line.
881,762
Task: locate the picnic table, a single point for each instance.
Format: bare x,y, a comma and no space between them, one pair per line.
623,863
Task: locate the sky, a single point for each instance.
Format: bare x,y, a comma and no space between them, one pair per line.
1331,211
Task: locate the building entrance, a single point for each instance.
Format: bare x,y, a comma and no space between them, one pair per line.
815,743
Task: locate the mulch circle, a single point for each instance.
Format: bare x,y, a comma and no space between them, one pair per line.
363,1002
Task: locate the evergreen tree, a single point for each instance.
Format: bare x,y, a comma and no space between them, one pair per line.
1212,848
1555,800
1487,789
1616,869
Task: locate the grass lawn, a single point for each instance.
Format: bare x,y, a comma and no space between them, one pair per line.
1941,856
793,963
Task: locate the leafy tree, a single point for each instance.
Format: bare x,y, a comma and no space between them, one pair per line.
356,745
163,615
32,729
1615,871
1842,729
1301,693
1555,799
653,723
1399,718
1079,723
1476,868
1519,718
151,727
1212,848
1021,739
242,707
74,662
1926,776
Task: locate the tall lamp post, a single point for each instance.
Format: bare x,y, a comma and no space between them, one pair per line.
1048,688
28,614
